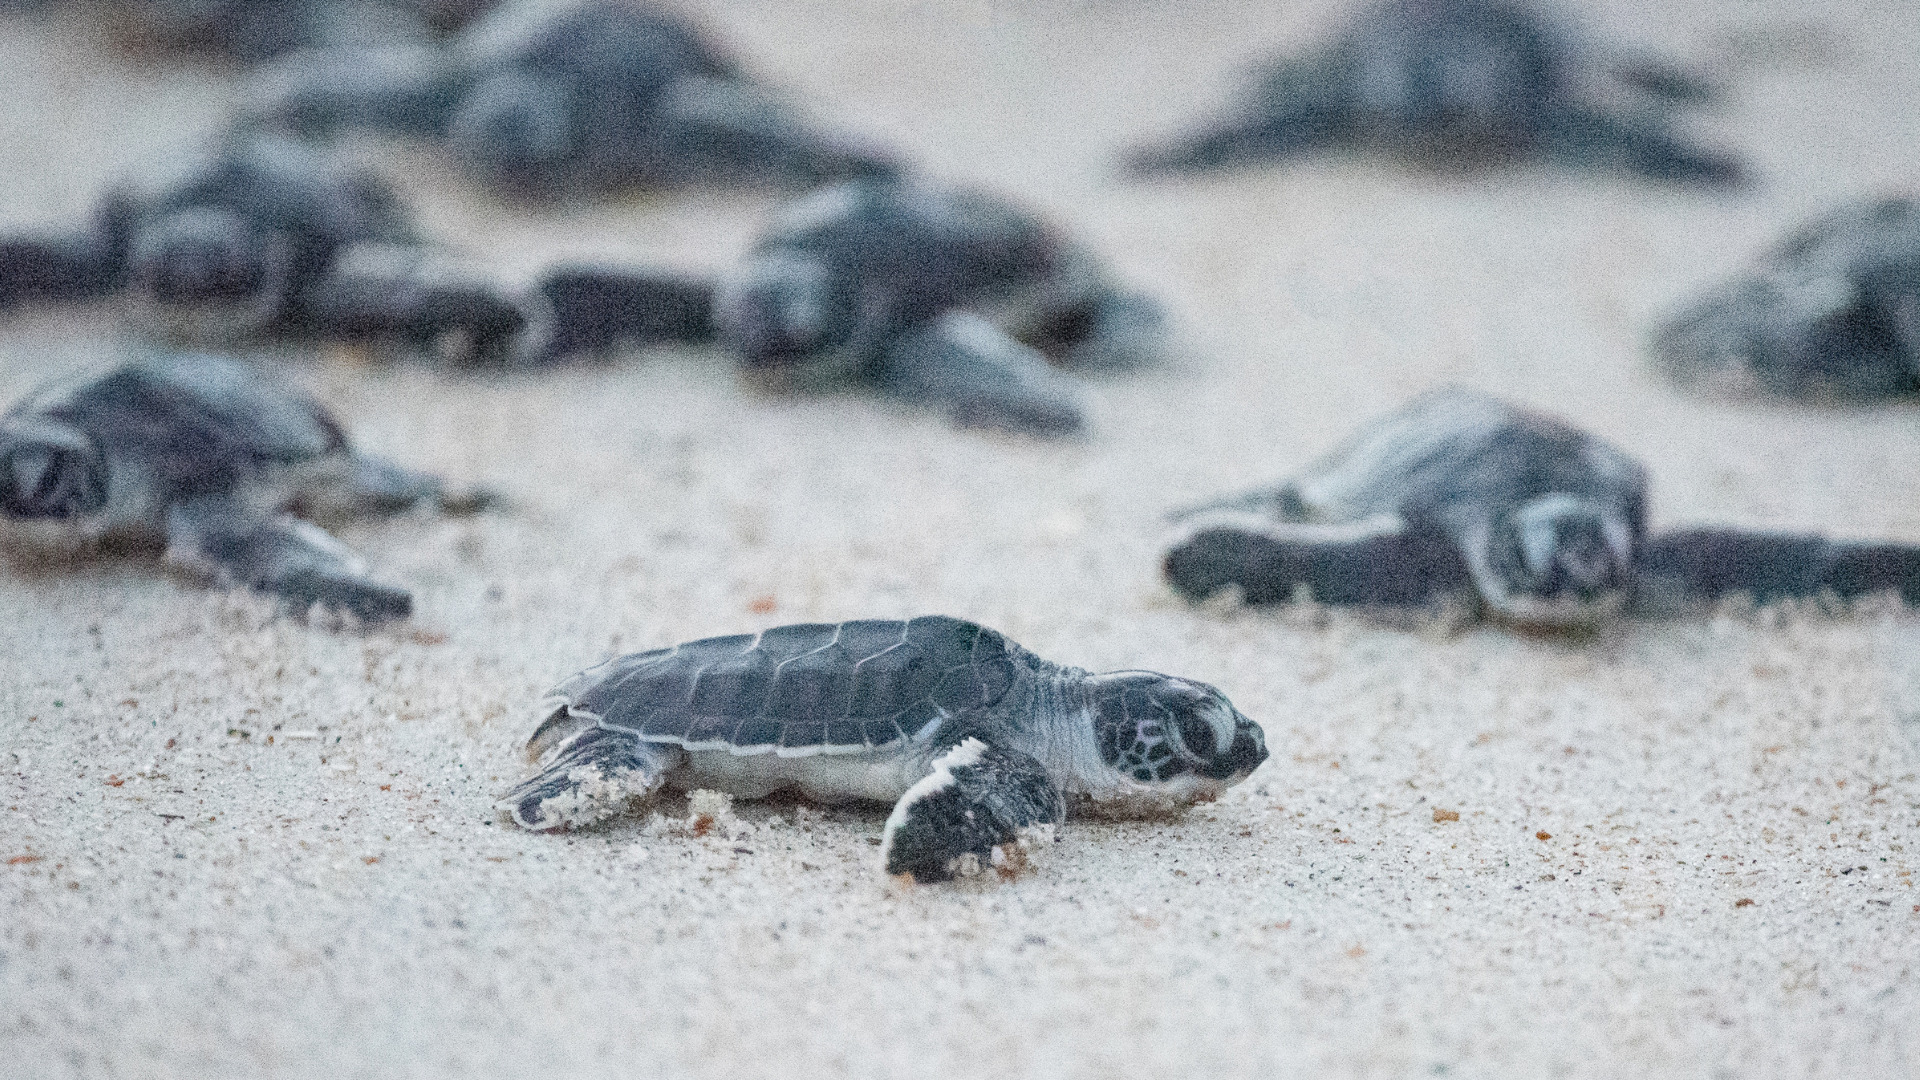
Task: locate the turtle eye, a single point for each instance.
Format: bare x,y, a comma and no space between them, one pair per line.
1198,736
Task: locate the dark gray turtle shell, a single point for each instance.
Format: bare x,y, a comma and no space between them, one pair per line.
927,248
318,203
1452,450
838,688
195,424
1833,312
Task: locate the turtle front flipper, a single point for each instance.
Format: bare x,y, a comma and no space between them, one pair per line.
593,308
78,265
1372,562
294,560
588,776
1684,570
402,292
1590,137
978,798
983,378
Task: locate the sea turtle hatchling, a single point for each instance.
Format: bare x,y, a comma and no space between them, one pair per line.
266,238
212,460
1459,82
1831,313
1462,497
971,737
947,296
254,30
569,99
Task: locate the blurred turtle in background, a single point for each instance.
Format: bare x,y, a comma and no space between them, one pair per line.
1459,82
950,297
568,99
266,238
255,30
204,458
1462,501
1831,314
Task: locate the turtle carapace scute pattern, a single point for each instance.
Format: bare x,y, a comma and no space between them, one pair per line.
264,238
1833,313
1459,498
1457,82
947,296
570,99
971,737
224,469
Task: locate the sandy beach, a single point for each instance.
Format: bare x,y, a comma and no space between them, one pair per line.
233,845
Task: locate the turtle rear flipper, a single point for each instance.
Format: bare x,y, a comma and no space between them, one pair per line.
724,128
1280,504
1372,562
356,486
588,777
1662,79
1694,568
1120,331
294,560
597,307
979,797
982,377
1075,314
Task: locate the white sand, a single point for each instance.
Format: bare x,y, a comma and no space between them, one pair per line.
240,847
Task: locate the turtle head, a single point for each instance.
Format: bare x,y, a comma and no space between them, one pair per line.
201,254
50,470
783,309
1558,560
515,126
1175,737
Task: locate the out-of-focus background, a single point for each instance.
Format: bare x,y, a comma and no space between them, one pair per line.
1682,849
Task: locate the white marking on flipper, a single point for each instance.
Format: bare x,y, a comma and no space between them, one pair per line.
967,753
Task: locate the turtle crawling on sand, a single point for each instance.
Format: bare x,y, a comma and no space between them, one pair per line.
266,238
971,737
951,297
1459,82
1461,497
1832,313
567,99
253,30
206,457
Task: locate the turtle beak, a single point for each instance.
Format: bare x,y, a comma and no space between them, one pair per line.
1247,751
